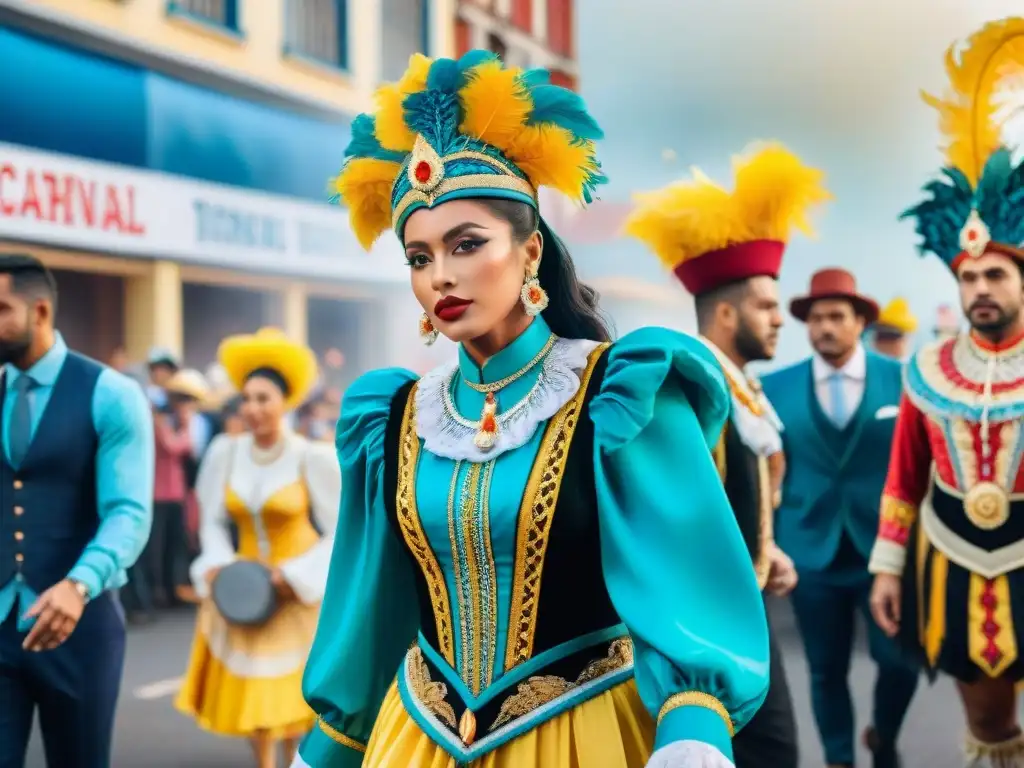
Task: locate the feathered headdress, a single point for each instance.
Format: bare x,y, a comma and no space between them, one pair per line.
977,206
467,128
710,237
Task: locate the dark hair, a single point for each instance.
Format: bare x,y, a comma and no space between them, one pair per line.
706,303
273,376
572,311
29,277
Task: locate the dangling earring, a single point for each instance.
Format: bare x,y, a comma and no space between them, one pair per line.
428,333
534,298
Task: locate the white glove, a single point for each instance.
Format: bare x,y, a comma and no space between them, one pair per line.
689,754
298,762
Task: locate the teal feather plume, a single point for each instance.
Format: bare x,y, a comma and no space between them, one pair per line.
435,116
559,106
941,216
364,141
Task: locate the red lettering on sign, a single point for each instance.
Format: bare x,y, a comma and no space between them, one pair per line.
69,199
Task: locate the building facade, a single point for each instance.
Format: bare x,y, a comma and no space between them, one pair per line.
526,33
169,159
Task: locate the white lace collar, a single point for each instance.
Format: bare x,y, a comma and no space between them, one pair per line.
450,435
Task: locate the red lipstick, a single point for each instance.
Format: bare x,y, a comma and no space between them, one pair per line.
451,308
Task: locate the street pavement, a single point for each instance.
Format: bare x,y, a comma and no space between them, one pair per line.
152,734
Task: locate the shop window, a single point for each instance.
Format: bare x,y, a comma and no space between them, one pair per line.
223,13
406,30
318,30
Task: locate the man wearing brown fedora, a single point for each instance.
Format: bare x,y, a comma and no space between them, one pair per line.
838,409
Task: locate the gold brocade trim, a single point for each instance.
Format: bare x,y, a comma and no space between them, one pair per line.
339,737
412,529
720,463
475,573
739,392
500,181
697,699
534,525
989,618
898,512
429,693
537,691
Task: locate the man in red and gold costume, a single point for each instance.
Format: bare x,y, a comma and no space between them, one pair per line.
949,558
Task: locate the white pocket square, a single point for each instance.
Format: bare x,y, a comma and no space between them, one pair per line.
887,412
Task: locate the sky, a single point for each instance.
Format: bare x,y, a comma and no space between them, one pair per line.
837,82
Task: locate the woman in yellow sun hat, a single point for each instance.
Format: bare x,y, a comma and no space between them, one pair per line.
280,493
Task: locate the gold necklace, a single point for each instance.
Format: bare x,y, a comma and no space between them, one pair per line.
502,383
487,429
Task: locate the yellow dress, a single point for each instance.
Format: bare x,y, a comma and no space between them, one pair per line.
242,680
611,730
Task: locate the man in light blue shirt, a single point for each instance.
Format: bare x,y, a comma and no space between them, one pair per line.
76,489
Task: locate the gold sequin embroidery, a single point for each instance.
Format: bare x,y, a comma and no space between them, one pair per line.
457,183
412,529
534,526
429,693
698,699
537,691
337,736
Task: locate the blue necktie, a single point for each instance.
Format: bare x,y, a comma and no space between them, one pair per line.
838,399
19,432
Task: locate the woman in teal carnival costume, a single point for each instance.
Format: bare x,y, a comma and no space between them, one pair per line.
536,565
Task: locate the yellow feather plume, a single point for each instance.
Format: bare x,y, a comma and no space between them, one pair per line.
967,115
364,185
772,195
549,157
495,105
391,130
775,190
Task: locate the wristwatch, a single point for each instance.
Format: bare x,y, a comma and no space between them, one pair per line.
82,590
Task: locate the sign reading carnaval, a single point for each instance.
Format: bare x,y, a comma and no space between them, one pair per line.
68,202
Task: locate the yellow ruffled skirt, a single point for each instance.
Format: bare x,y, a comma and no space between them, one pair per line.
241,680
611,730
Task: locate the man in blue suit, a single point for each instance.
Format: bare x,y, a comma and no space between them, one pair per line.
837,410
76,491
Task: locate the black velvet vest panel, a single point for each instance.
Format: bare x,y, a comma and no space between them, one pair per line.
743,487
573,598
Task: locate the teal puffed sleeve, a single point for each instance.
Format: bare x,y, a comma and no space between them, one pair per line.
674,560
368,617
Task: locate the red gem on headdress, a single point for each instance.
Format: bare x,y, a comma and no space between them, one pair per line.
972,235
422,171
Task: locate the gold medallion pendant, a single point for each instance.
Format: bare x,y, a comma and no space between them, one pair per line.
987,505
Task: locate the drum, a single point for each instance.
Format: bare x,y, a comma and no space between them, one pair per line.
244,594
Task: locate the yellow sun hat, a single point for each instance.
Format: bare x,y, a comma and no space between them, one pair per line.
896,317
269,348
